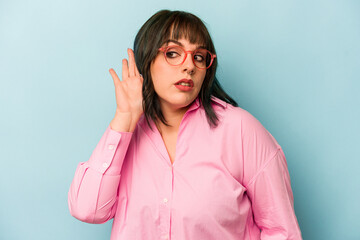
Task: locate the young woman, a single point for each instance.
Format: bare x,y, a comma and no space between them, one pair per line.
180,160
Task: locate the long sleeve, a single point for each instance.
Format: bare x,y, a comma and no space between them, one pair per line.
272,200
92,195
267,182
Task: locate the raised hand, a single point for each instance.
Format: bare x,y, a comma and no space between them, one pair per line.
128,96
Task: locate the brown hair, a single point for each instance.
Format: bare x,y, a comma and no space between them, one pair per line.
159,28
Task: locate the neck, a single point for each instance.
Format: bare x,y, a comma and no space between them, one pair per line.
173,118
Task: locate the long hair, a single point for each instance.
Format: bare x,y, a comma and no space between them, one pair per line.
159,28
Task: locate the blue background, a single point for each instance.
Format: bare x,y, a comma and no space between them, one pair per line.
293,64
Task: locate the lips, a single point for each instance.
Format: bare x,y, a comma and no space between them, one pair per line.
189,81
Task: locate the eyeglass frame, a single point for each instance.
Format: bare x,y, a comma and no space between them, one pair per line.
164,50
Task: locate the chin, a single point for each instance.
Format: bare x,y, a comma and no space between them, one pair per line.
180,101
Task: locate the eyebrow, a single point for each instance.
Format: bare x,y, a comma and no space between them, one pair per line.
180,44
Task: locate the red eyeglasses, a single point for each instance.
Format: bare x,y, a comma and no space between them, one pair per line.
176,55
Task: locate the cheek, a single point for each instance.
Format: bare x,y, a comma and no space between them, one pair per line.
159,74
160,69
201,79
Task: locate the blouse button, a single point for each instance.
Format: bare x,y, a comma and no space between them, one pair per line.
111,147
165,200
105,165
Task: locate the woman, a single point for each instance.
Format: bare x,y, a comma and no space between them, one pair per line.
180,160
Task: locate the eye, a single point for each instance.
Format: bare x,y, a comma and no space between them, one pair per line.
200,56
173,52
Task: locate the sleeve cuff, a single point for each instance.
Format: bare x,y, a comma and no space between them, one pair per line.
108,155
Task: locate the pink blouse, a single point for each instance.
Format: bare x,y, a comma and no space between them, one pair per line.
229,182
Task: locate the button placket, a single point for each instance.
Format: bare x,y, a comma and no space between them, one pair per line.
165,236
105,165
165,204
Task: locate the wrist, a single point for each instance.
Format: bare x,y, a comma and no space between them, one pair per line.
121,122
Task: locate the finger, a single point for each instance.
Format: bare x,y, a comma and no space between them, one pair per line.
114,76
125,69
137,73
132,64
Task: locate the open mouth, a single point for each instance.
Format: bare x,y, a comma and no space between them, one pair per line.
184,84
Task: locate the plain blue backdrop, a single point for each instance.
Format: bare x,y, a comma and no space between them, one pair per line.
293,64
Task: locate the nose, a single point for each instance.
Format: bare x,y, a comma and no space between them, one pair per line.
188,65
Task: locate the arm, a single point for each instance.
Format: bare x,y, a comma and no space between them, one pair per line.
272,200
93,192
267,180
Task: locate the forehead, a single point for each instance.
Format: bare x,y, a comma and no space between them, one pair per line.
183,43
185,32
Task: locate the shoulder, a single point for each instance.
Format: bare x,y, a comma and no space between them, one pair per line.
239,120
247,136
236,116
232,113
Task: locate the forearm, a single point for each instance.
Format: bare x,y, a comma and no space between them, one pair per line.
93,192
92,195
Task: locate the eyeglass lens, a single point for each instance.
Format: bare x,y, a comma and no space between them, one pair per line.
175,56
